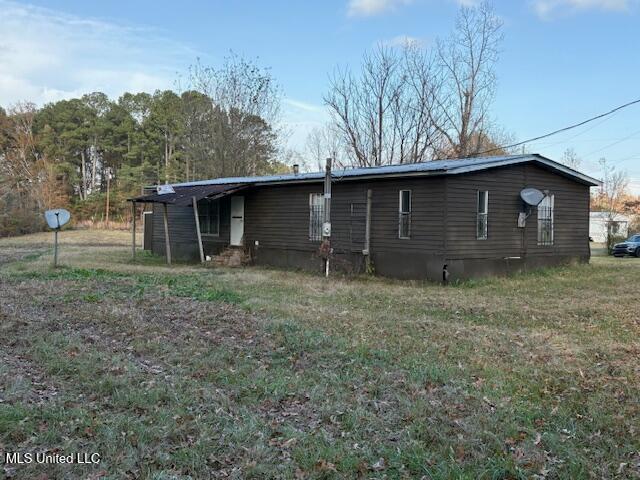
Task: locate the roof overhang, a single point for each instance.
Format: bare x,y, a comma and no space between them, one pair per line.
424,169
184,195
450,169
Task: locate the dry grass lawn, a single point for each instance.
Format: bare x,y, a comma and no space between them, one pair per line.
191,372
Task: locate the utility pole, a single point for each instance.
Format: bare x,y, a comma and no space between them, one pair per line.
326,221
107,206
133,230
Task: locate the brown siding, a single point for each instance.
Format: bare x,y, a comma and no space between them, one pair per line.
278,216
427,215
505,239
182,232
571,215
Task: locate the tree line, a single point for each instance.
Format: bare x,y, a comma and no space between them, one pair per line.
66,153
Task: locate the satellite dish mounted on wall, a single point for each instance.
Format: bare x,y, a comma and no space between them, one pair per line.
56,218
531,196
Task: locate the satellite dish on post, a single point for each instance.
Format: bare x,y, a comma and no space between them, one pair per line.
531,196
56,218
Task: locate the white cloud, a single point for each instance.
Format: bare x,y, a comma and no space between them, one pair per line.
46,55
367,8
300,117
404,40
549,8
302,105
468,3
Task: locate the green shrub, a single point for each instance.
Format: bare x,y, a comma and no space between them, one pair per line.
612,240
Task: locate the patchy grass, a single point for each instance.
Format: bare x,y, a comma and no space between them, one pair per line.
188,372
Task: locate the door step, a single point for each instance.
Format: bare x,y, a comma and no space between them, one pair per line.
231,257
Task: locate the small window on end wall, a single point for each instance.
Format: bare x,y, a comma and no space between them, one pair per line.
482,218
545,220
404,214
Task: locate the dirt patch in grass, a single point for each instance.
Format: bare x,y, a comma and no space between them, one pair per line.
23,381
14,254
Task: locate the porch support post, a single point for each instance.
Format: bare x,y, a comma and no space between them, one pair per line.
133,230
195,215
167,243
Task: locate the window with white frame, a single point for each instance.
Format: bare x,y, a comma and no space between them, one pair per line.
404,214
545,220
482,217
209,217
316,216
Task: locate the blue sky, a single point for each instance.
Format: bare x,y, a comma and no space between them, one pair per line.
562,60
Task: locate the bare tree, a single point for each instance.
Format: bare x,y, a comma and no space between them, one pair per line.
234,112
570,159
19,158
408,104
323,142
417,116
29,182
362,106
239,84
466,74
611,197
381,113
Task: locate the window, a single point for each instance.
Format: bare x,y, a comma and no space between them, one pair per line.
209,217
545,221
482,220
316,216
404,214
614,227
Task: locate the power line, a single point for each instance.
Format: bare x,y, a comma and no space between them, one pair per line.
555,132
634,156
595,125
614,143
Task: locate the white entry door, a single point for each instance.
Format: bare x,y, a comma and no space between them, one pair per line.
237,220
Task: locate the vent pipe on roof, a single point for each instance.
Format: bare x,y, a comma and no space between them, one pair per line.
296,169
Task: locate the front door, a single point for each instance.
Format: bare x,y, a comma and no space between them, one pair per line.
237,220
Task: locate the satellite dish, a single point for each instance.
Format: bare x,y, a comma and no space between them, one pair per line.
164,189
531,196
57,217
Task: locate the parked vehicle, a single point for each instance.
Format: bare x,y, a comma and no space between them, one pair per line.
631,246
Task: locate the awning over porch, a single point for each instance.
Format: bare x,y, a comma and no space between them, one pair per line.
183,195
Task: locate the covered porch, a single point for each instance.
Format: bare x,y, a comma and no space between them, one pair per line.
192,222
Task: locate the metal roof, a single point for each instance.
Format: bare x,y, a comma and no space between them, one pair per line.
184,193
435,167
